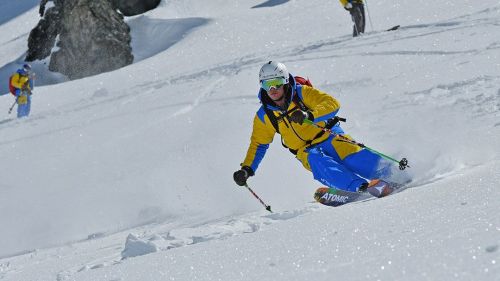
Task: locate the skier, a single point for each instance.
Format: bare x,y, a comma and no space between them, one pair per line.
357,10
21,85
286,109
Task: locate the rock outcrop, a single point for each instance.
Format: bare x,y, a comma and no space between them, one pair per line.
91,35
43,37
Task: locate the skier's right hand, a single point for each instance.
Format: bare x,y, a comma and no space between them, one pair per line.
348,6
241,176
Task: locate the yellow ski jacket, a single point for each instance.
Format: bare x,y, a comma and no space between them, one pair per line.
294,136
18,81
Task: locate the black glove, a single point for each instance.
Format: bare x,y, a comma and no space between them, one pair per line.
298,116
241,176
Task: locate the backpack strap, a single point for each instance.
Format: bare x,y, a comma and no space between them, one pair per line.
270,114
299,104
298,101
272,118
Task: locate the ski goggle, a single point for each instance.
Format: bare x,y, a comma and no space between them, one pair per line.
274,83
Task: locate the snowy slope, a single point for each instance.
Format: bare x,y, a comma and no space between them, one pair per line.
459,242
149,150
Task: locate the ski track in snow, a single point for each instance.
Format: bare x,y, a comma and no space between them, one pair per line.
411,32
468,94
205,94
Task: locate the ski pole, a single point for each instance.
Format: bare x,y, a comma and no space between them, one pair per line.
258,198
403,163
367,12
12,107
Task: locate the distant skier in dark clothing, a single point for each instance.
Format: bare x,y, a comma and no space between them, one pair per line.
357,10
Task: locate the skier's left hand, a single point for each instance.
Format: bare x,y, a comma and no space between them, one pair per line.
241,176
298,116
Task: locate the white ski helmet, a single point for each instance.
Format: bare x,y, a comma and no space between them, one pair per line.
273,69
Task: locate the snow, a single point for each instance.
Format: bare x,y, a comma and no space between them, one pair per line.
134,247
127,175
8,11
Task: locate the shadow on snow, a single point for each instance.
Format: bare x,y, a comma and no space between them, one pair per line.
270,3
12,9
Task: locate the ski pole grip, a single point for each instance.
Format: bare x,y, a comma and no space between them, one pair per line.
341,119
403,164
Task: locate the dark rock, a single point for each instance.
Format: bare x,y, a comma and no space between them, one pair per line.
94,39
42,38
135,7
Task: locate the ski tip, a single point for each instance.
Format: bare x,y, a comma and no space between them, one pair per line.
319,193
396,27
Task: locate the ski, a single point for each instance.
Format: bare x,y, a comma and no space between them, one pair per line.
337,197
380,188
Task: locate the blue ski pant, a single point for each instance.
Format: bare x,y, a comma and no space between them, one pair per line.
339,164
23,104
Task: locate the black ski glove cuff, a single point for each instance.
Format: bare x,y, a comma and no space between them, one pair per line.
248,170
241,176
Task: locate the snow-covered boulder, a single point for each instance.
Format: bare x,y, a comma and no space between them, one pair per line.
134,247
